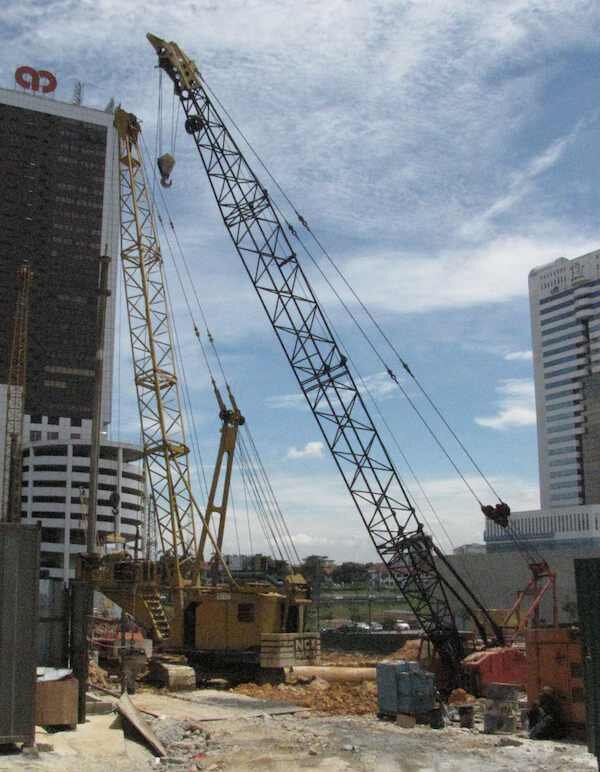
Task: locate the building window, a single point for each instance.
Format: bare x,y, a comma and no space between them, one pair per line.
75,436
53,420
245,612
35,435
52,436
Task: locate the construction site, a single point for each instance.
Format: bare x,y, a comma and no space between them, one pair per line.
136,629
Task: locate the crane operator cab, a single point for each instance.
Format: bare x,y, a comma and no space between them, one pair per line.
253,622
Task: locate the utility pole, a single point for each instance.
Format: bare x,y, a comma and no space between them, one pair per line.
103,294
82,593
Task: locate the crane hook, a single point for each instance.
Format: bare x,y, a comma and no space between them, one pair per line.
165,165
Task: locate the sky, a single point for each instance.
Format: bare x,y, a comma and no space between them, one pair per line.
439,150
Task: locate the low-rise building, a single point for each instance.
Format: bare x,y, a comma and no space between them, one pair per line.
548,529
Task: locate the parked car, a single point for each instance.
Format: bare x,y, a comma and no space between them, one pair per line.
375,627
354,627
400,626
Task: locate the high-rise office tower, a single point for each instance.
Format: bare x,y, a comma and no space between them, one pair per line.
565,319
59,210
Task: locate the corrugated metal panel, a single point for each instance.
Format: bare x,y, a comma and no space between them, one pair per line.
19,572
587,579
53,634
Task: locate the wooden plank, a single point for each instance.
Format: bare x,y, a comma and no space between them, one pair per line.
131,714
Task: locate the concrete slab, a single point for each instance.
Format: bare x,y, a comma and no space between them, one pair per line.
210,705
100,736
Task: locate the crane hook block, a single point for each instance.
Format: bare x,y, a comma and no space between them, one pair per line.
193,124
165,164
498,514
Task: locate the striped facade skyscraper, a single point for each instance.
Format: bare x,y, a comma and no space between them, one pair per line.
565,319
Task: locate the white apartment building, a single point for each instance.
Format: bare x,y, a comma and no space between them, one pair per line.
565,321
55,494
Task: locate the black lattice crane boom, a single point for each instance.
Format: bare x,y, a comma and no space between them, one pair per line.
12,469
322,371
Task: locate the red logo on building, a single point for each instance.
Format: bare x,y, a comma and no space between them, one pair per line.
35,80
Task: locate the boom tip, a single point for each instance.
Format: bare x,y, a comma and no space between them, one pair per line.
155,41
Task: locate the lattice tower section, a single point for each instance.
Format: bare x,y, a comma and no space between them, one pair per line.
163,436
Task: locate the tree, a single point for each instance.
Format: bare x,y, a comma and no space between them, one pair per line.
312,567
351,573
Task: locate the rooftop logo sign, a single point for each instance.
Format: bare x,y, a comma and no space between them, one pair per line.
35,80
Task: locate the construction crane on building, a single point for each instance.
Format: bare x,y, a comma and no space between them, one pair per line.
205,617
12,469
263,239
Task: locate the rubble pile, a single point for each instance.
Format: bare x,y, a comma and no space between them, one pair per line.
184,740
335,698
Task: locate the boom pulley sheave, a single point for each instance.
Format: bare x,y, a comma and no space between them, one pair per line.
322,372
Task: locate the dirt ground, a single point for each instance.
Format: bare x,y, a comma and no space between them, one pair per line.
306,742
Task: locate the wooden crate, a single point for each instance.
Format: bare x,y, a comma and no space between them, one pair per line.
56,702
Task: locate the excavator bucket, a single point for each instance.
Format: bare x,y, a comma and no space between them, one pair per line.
165,164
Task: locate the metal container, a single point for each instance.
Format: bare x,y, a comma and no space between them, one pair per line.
19,571
404,687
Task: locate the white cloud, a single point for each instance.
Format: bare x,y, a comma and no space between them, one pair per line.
379,385
461,277
316,528
520,184
287,401
516,408
310,450
519,356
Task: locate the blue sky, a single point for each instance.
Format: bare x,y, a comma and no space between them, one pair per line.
439,149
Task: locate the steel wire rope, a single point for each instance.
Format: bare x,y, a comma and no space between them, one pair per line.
245,489
186,395
268,514
207,362
177,356
271,521
384,364
392,435
208,331
235,525
378,327
244,468
204,353
359,326
520,546
272,495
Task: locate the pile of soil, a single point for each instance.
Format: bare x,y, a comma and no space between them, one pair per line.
335,698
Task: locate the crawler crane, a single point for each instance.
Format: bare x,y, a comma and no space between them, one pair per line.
251,622
264,240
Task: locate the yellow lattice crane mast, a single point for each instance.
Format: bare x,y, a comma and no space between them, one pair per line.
163,436
216,617
15,401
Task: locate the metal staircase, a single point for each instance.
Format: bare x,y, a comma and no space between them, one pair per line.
156,612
